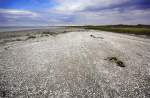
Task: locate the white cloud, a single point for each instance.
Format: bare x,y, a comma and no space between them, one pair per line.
79,12
113,16
17,13
70,6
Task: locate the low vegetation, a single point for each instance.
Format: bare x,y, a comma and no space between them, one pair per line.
116,60
50,33
128,29
31,37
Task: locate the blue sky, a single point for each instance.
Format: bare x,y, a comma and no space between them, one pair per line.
73,12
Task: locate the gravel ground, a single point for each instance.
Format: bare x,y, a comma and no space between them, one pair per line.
83,64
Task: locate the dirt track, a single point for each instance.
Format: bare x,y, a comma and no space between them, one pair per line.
76,65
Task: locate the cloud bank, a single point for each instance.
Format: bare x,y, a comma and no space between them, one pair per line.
78,12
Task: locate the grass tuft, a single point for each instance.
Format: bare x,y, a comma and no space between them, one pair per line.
116,60
31,37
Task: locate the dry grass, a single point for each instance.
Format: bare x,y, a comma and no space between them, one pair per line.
116,60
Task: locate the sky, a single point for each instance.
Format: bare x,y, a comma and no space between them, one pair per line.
73,12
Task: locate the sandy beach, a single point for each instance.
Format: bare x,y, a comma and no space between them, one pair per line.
74,63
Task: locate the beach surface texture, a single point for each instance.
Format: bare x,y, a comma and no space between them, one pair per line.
79,64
